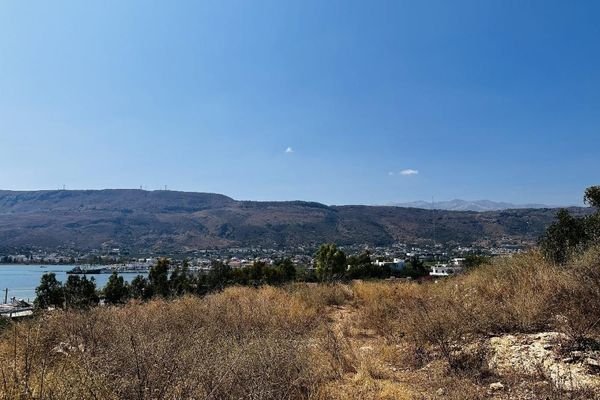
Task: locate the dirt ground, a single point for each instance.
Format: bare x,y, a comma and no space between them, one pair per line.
376,369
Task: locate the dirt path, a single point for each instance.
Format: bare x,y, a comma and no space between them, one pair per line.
370,371
376,369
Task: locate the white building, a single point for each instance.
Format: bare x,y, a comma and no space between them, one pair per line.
445,270
396,265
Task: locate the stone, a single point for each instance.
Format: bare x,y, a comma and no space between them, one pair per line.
496,386
592,362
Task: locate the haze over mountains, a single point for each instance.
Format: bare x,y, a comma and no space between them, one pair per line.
166,220
469,205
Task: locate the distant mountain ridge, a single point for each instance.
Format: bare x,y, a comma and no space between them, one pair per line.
167,221
467,205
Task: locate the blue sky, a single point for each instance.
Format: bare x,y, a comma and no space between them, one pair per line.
315,100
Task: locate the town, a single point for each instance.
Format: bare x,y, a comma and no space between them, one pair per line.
236,257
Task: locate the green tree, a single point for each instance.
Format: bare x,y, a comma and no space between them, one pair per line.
591,196
140,288
80,292
330,262
159,278
569,234
563,237
116,290
361,267
474,260
415,268
362,259
592,222
287,269
256,271
180,281
219,276
49,293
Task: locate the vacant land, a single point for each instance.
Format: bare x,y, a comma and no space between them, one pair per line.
519,328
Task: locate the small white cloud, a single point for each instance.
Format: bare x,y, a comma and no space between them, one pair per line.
289,150
408,172
391,173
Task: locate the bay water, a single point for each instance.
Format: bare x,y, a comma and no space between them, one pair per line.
21,280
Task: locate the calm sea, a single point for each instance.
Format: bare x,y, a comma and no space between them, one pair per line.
21,280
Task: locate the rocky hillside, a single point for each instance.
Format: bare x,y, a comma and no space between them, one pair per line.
165,220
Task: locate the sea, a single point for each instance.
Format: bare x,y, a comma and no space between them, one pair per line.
21,280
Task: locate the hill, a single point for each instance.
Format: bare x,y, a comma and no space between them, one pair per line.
169,220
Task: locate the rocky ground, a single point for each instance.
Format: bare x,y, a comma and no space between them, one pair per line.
517,367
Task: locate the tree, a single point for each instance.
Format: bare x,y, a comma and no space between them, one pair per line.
116,290
563,237
474,260
569,234
49,293
256,271
219,275
415,268
362,259
361,267
140,288
180,281
592,196
273,275
330,262
80,292
159,278
287,269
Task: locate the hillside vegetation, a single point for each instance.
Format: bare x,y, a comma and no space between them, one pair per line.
173,221
364,340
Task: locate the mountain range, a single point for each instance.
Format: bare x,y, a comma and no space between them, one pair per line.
468,205
179,221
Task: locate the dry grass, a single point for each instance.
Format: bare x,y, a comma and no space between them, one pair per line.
367,340
451,319
519,294
242,343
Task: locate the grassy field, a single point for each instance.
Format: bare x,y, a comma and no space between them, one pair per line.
363,340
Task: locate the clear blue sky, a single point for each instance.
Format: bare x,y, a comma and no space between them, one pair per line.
485,99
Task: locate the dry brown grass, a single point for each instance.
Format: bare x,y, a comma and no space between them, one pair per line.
367,340
242,343
519,294
451,319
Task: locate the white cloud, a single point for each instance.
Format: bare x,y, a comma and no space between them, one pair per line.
408,172
391,173
289,150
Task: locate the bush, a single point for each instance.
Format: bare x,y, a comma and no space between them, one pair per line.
524,293
241,343
571,235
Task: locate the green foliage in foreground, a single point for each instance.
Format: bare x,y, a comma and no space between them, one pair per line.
569,234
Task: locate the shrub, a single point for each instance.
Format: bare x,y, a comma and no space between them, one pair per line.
241,343
524,293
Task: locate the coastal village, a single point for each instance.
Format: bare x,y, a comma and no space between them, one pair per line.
441,261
